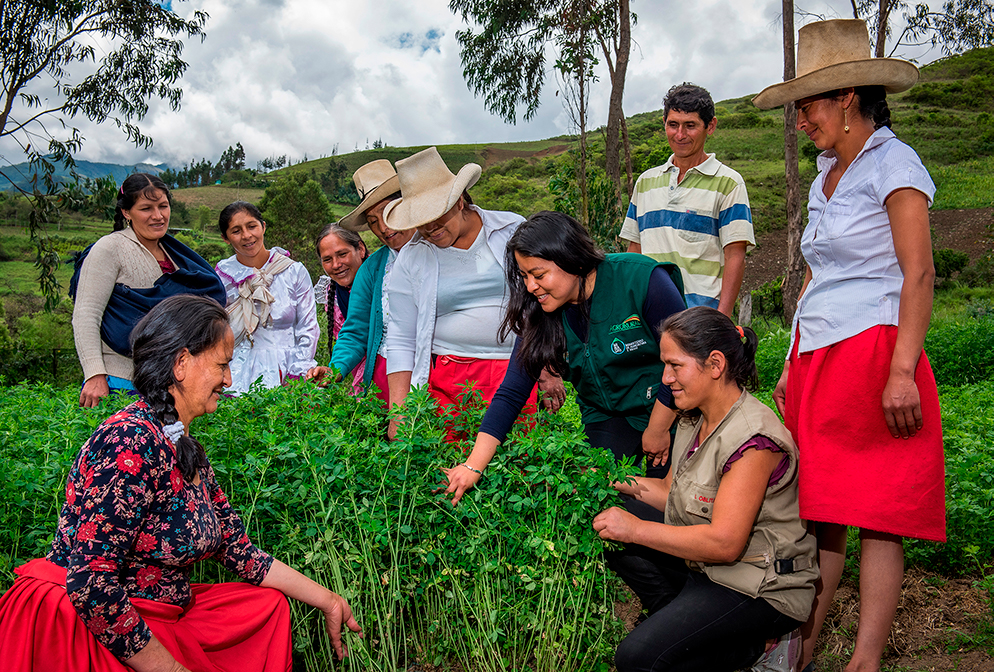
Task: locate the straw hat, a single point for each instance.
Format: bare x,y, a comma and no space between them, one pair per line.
374,181
835,55
429,189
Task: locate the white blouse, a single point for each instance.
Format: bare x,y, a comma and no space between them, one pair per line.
848,244
287,345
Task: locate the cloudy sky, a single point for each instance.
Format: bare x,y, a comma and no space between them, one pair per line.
300,77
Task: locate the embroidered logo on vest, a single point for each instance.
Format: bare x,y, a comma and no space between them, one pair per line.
618,346
630,322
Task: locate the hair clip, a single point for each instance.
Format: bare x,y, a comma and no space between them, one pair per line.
740,330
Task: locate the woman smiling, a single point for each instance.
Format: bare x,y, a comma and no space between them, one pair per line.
593,319
142,508
120,277
270,303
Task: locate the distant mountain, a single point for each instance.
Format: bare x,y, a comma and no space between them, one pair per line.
21,173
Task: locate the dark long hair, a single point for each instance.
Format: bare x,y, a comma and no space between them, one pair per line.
562,240
701,330
135,185
183,322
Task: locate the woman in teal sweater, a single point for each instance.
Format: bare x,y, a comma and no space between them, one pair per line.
362,334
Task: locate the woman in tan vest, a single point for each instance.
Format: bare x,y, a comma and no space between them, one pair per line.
716,552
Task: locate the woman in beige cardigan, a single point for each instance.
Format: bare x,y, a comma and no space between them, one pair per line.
120,278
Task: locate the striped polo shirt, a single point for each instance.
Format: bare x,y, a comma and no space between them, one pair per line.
690,223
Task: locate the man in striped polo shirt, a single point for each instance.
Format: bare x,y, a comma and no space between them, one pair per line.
693,210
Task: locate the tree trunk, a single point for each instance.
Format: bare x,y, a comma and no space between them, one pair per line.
795,222
630,186
883,16
615,114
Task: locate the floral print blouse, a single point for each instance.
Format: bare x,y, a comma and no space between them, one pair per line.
132,527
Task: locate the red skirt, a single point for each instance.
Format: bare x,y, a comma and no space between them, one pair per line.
227,627
449,375
851,470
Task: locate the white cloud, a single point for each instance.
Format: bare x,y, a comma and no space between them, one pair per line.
299,77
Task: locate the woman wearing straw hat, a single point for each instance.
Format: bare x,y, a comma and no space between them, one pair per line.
363,331
447,289
857,391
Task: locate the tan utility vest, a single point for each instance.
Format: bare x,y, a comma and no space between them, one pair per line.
779,563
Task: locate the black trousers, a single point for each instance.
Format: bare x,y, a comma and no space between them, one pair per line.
694,624
622,440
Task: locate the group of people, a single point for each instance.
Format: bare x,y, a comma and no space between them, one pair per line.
734,539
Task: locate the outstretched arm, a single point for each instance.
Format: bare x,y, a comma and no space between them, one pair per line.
337,612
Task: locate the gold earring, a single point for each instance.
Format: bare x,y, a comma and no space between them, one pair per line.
846,113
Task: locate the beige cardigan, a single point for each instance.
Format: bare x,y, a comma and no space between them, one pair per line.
118,257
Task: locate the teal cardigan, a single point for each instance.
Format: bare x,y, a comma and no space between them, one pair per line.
363,329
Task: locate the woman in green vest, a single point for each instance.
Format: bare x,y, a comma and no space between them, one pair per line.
592,319
732,569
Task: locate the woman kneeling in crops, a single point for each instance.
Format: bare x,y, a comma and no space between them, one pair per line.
142,507
732,567
593,318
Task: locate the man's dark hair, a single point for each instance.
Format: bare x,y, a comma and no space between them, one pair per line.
689,98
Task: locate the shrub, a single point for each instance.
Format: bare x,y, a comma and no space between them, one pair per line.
962,351
948,262
212,251
980,274
968,434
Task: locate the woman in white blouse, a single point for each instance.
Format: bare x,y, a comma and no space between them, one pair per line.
857,391
270,303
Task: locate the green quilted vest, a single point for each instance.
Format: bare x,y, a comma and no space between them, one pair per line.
617,371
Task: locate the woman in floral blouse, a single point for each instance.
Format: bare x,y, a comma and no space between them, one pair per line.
142,506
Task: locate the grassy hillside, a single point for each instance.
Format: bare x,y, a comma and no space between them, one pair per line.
947,118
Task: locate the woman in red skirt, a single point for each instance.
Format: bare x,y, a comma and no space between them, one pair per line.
857,391
142,506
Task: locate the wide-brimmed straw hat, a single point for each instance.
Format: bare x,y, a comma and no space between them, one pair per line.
428,189
835,55
374,181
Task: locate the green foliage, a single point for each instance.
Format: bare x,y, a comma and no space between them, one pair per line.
203,218
604,216
514,194
980,273
45,331
968,434
770,356
974,93
962,350
767,301
512,578
295,210
948,262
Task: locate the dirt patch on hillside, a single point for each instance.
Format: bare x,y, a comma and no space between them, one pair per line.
495,155
934,618
962,230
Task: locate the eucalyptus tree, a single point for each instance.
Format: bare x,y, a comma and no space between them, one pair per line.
504,55
958,25
98,60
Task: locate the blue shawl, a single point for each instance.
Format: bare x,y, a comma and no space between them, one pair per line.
128,305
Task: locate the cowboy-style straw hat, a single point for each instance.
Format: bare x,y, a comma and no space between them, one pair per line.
428,188
835,55
374,181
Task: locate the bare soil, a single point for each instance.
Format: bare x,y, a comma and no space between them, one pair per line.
494,155
966,231
935,619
